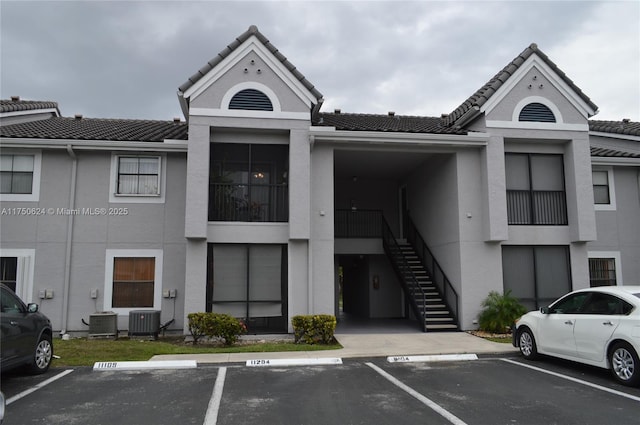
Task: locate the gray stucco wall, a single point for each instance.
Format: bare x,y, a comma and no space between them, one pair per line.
212,96
385,301
618,230
143,226
540,86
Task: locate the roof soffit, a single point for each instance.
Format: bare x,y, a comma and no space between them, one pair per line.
252,44
535,61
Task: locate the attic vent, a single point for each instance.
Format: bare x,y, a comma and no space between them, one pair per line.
251,100
536,112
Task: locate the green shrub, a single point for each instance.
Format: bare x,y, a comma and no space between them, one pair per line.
499,312
215,325
198,325
314,329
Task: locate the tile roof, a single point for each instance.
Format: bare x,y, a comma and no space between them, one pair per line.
253,30
13,105
385,123
97,129
619,127
612,153
480,97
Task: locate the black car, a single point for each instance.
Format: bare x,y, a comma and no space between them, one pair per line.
26,334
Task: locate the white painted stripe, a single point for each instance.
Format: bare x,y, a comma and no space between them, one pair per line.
211,418
294,362
432,358
37,387
144,365
426,401
579,381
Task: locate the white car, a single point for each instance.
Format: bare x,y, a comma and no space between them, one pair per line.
597,326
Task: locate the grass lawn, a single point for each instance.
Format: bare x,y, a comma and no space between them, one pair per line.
85,352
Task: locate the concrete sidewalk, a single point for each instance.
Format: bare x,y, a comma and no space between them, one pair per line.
367,345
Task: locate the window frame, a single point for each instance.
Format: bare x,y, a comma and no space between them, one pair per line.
133,198
25,271
611,206
533,218
110,256
537,300
606,255
34,196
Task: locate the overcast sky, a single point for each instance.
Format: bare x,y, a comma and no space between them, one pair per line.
126,59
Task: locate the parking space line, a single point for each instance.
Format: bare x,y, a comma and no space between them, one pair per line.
37,387
426,401
572,379
211,418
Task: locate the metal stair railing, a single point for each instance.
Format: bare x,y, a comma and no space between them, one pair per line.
405,274
438,276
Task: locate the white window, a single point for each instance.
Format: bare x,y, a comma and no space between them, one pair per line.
605,268
20,176
16,270
137,178
604,194
133,280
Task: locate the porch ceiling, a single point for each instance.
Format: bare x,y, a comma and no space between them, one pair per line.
376,164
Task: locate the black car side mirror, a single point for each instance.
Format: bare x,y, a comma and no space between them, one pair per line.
544,310
32,308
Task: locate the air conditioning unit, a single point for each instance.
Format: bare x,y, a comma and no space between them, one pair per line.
103,325
144,323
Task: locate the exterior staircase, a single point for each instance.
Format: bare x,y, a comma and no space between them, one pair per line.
427,302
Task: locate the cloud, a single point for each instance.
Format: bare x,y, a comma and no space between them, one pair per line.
127,59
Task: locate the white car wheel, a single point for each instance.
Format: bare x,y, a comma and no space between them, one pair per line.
624,364
527,344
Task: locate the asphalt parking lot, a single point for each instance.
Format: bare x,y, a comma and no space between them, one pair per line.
501,390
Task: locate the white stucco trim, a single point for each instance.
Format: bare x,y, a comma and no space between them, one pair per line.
240,113
614,135
226,99
330,134
95,145
528,125
534,61
25,271
536,99
34,196
251,44
611,206
108,279
137,199
53,111
616,259
615,161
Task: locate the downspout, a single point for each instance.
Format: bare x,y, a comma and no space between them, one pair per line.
67,256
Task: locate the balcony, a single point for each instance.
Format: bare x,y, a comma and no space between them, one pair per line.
525,207
248,203
358,224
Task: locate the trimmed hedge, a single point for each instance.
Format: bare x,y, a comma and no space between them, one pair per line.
314,329
215,325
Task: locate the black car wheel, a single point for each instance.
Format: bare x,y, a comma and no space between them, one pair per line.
624,364
42,356
527,344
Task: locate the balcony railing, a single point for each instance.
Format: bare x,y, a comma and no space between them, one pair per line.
243,202
537,207
358,224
